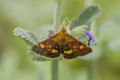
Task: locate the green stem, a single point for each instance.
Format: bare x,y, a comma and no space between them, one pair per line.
92,65
91,70
57,12
54,68
89,3
54,63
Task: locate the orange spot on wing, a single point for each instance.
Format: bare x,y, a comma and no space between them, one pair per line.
42,45
81,46
54,51
68,52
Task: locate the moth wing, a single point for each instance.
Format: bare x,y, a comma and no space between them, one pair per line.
76,48
47,47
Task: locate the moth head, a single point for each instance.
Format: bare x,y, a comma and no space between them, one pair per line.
65,30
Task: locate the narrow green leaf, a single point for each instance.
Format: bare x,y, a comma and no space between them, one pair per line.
28,36
86,16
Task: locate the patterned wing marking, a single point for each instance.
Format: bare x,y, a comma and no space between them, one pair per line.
47,47
75,48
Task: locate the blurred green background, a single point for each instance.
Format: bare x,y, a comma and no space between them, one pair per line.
32,14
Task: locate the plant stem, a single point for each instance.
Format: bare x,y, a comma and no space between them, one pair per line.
91,64
54,68
56,22
57,12
89,3
91,70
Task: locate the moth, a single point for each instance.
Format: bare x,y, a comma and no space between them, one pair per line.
61,43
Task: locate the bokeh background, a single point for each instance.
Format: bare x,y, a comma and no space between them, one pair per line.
32,14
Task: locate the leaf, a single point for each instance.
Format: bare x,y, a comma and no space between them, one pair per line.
66,22
86,16
43,31
77,32
28,36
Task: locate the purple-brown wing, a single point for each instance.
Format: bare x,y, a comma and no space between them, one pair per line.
75,48
47,47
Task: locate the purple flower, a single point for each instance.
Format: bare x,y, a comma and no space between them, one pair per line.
90,37
50,34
